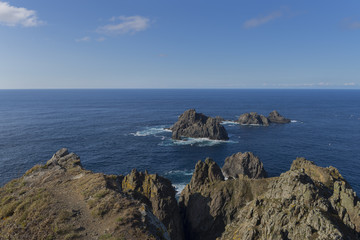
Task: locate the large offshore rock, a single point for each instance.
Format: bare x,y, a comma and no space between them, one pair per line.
197,125
243,163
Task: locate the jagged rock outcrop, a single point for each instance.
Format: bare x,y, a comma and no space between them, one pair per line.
208,203
306,202
243,163
253,119
256,119
197,125
275,117
158,193
61,200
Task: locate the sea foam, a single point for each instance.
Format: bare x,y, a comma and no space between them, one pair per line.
230,123
198,142
150,131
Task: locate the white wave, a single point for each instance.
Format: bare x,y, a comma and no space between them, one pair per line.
198,142
252,125
150,131
294,121
180,172
178,188
229,123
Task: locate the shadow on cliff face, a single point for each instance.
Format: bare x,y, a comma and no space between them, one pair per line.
201,224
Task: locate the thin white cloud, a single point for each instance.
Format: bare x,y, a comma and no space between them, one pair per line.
350,84
124,25
349,23
83,39
100,39
255,22
16,16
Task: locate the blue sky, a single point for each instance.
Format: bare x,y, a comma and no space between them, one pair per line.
179,44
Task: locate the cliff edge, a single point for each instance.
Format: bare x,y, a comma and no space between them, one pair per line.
61,200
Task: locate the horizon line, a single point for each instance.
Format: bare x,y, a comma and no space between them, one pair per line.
228,88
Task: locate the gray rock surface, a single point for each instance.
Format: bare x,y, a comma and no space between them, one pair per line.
306,202
256,119
253,119
243,163
197,125
61,200
275,117
158,193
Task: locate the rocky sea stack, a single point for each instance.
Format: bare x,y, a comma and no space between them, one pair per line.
275,117
253,119
197,125
61,200
256,119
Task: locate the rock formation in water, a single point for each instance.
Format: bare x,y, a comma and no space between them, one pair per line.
197,125
306,202
256,119
61,200
243,163
275,117
253,119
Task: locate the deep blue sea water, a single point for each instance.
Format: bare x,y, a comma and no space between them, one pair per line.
114,131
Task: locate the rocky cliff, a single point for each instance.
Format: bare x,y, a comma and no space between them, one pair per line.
306,202
197,125
61,200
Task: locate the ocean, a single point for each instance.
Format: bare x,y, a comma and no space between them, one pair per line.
114,131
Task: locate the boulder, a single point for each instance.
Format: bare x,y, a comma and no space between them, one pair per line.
197,125
243,163
275,117
253,119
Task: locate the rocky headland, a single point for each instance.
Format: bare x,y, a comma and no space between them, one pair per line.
254,118
197,125
62,200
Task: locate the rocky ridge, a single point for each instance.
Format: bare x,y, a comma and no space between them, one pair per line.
61,200
306,202
197,125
